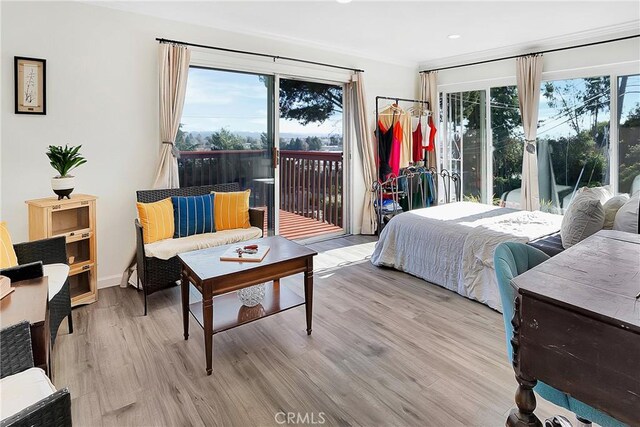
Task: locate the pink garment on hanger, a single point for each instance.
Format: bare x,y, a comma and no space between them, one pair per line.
394,159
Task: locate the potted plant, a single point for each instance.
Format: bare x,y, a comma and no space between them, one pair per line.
64,160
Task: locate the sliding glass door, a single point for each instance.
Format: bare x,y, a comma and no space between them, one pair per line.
226,135
229,124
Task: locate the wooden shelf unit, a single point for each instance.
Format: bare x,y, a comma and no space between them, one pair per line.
75,219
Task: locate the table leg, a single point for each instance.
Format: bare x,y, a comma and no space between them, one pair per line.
207,313
525,398
308,293
184,289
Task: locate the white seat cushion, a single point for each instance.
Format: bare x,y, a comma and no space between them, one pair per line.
56,276
168,248
22,390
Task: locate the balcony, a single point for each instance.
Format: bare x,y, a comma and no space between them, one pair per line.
311,184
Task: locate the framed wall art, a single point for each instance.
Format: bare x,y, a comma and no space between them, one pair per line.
31,85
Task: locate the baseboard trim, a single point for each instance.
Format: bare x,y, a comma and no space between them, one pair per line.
109,281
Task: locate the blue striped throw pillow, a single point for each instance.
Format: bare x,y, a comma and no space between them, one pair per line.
193,215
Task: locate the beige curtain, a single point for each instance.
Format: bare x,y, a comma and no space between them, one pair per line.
356,108
528,75
174,70
429,92
173,73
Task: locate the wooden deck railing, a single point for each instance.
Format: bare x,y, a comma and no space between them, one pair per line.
222,166
311,184
310,181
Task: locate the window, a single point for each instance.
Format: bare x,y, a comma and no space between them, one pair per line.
466,140
507,135
311,157
573,138
226,133
574,148
628,133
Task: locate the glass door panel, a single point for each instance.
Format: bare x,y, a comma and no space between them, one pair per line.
226,134
629,133
311,170
466,141
573,139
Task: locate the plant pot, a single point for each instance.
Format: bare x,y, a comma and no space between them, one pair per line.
63,186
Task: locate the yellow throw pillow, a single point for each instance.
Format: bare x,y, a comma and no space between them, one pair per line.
8,256
156,219
231,210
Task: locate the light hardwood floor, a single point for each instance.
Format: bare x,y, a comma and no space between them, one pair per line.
386,349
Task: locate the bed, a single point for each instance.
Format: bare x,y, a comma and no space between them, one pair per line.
452,245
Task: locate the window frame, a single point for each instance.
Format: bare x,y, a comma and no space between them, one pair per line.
221,62
614,71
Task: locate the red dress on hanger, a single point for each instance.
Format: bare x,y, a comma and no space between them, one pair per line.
418,153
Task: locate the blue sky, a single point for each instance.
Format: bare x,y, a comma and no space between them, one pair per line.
238,102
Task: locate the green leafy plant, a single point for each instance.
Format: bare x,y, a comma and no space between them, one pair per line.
64,159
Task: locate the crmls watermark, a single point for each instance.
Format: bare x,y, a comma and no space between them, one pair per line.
306,418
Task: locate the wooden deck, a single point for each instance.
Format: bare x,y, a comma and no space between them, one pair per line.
293,226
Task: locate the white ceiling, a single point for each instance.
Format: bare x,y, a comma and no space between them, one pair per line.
411,32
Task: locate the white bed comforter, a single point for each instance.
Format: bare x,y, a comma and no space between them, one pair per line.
452,245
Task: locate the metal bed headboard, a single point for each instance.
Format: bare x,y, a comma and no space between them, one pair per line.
410,182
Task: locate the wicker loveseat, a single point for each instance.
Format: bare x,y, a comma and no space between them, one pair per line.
155,274
28,397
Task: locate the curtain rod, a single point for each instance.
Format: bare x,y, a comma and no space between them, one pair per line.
533,53
264,55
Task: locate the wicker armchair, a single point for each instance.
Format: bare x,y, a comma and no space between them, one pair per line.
46,251
155,274
15,358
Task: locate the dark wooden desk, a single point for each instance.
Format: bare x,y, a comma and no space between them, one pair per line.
577,328
30,302
218,280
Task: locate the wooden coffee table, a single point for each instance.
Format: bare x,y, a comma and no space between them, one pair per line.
218,280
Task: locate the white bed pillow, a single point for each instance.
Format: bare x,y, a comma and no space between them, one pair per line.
603,194
627,216
584,217
611,209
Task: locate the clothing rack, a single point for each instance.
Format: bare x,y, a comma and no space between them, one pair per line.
396,101
409,183
378,98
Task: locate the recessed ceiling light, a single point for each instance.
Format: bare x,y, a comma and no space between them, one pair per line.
343,1
453,36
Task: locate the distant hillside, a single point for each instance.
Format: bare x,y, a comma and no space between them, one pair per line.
256,135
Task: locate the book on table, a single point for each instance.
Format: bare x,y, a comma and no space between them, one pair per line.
242,253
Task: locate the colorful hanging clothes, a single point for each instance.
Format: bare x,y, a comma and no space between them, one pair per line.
404,137
432,135
385,142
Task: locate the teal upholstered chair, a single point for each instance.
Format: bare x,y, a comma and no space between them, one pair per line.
511,259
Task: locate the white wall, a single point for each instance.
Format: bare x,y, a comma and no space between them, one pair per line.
102,93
